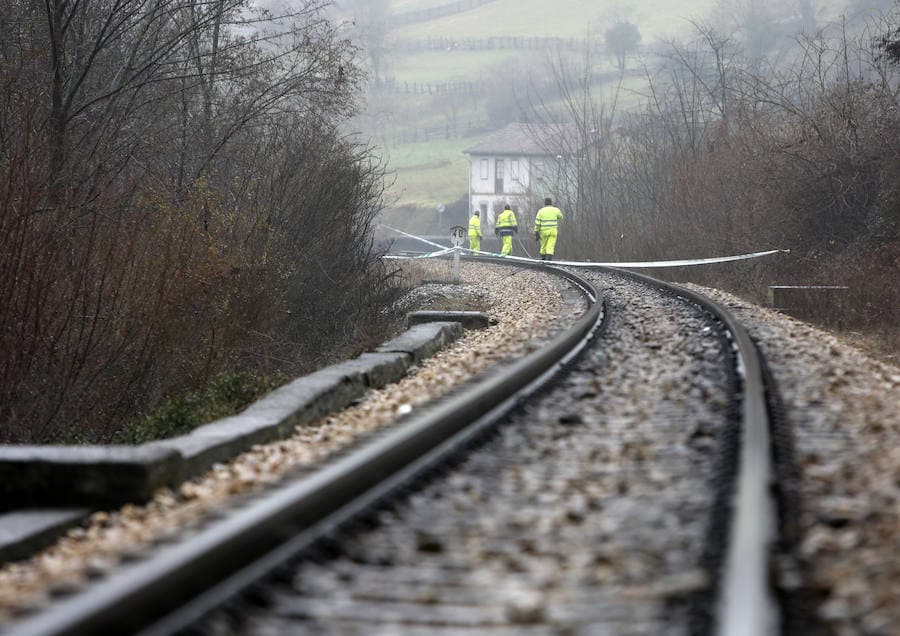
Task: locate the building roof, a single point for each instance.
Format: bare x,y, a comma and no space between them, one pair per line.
522,139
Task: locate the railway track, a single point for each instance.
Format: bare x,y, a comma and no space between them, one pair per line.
566,447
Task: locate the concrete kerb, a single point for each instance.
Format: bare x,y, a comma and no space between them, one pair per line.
97,476
468,319
24,532
423,340
299,403
79,475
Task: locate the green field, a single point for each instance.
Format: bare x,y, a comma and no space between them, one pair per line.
445,66
427,174
565,18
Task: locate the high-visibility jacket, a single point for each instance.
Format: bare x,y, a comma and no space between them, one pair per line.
475,226
506,223
548,218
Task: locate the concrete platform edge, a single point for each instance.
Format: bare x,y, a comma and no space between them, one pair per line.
105,476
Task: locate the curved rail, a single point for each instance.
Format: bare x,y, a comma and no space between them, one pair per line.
232,553
746,604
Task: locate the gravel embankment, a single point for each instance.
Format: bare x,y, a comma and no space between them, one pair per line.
843,406
527,305
586,514
844,410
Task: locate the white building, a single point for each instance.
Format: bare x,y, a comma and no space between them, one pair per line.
519,164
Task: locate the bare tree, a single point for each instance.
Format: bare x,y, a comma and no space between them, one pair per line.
807,16
889,38
371,20
142,231
730,154
621,39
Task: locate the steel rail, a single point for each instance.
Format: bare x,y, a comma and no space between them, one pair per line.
141,595
746,604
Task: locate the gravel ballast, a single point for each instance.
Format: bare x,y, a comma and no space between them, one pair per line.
843,408
527,305
587,514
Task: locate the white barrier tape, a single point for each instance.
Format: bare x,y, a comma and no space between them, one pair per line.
630,265
678,263
412,236
443,252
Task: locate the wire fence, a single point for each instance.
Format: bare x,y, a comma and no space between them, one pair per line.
431,133
521,43
471,88
474,87
433,13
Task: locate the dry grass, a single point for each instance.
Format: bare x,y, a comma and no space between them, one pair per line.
882,344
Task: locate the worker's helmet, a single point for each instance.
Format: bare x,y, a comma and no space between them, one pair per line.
476,212
506,207
548,201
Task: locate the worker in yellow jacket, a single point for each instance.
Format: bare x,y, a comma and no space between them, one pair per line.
546,225
475,232
505,228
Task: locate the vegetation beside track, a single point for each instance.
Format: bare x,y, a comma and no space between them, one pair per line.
227,394
177,205
749,130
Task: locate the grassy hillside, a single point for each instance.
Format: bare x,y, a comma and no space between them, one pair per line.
443,66
433,172
429,173
566,18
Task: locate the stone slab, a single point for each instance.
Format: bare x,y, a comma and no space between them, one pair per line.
83,475
381,369
424,340
468,319
105,476
24,532
275,416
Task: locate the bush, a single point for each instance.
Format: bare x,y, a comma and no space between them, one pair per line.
228,394
727,159
157,232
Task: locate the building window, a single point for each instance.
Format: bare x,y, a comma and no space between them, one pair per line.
538,170
484,168
514,169
498,176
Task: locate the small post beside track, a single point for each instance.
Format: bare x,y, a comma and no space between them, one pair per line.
457,238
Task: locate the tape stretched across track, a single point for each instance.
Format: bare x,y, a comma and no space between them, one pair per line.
444,250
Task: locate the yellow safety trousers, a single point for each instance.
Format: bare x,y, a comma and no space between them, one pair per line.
545,223
474,233
548,240
506,224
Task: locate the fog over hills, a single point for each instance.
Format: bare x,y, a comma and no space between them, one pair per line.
447,71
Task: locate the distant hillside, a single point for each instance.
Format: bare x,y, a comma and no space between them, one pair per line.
444,79
565,18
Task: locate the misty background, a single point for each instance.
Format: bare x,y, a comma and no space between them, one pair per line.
191,189
692,130
455,70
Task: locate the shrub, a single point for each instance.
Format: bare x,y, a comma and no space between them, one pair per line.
226,395
157,231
